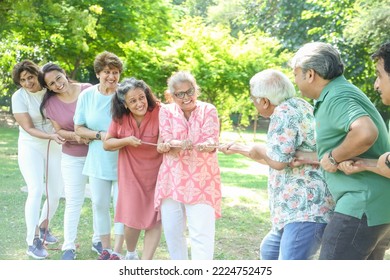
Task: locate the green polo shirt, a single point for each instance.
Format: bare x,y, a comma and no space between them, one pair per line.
338,106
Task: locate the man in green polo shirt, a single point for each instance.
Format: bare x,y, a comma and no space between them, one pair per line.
380,166
347,126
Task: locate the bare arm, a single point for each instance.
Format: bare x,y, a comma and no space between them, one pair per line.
377,166
245,150
85,132
69,135
25,121
302,157
361,136
259,153
382,168
235,148
111,143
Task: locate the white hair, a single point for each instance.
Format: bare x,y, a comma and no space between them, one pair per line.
273,85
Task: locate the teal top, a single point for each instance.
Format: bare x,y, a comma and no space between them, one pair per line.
93,111
338,106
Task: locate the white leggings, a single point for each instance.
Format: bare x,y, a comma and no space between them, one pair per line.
32,159
201,227
101,202
75,182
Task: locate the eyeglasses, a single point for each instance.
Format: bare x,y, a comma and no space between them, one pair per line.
181,94
254,99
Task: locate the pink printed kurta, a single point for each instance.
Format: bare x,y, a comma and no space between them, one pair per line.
190,177
137,171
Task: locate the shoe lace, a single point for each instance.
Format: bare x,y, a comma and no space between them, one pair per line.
38,243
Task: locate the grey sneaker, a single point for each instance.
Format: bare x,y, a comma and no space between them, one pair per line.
69,255
47,236
37,251
97,247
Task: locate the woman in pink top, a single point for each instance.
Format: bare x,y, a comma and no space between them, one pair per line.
134,131
59,105
188,187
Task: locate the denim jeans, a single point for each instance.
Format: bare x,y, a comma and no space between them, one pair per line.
350,238
296,241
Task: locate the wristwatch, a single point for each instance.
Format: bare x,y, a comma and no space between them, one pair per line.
98,135
331,159
387,162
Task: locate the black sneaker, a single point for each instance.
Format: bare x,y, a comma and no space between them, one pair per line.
97,247
69,255
37,251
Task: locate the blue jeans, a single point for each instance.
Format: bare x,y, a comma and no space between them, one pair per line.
296,241
350,238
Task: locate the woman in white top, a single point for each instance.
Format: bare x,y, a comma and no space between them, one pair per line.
36,153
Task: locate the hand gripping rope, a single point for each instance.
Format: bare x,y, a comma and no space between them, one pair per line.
202,146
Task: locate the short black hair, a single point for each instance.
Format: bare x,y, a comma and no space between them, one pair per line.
383,53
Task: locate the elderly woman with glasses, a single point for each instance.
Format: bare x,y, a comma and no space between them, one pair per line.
188,190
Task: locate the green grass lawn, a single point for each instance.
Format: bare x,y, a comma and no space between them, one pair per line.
245,216
244,222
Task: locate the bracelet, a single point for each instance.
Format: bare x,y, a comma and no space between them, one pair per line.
387,162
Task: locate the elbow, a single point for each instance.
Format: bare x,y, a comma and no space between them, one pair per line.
106,147
77,130
278,165
370,138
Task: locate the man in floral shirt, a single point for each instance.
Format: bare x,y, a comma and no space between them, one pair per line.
300,202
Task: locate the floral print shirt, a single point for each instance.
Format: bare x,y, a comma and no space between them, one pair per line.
190,176
295,194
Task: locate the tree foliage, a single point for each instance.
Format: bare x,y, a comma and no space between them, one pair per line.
73,31
223,43
221,63
370,27
339,23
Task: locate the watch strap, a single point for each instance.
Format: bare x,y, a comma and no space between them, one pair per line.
387,161
331,159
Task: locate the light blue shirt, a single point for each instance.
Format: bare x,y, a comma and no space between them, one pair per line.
93,111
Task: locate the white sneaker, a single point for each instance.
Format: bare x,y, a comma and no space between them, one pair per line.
131,256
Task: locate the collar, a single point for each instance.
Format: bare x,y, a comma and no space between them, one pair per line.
326,90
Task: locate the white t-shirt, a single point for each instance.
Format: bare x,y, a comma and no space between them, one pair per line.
24,101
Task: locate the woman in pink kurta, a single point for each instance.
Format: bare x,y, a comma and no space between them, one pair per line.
188,187
134,131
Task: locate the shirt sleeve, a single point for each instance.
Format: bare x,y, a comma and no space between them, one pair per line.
113,129
165,126
79,114
351,108
19,104
282,135
210,128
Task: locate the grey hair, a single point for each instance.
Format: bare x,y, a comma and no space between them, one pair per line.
182,77
323,58
273,85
